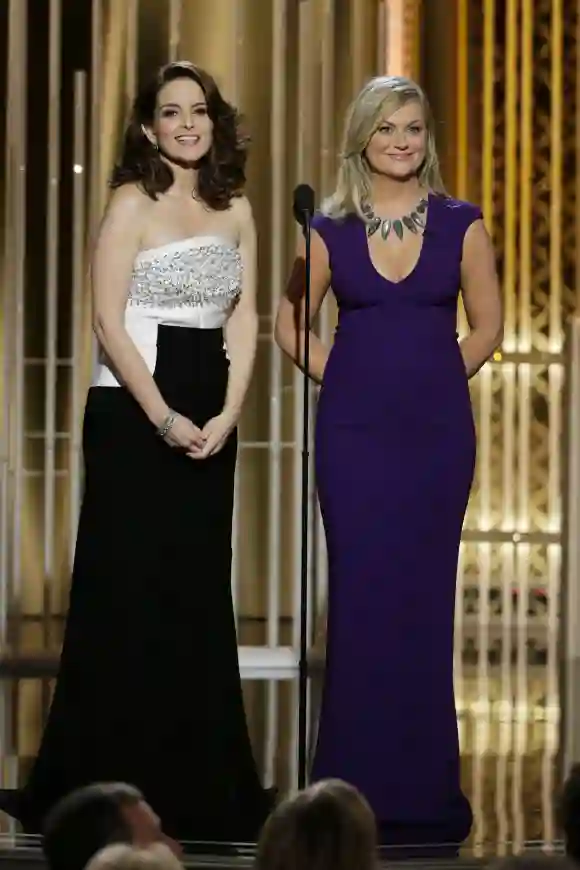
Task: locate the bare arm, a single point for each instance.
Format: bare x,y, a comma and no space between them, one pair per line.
241,330
241,335
481,297
114,255
290,328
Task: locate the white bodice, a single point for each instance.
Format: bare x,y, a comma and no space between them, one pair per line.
192,282
197,273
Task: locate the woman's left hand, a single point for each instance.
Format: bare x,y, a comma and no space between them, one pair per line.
215,432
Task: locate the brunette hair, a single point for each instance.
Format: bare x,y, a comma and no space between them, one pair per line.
85,821
328,826
221,172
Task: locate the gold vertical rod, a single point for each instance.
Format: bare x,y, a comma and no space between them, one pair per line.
557,134
16,56
17,65
13,307
483,566
304,173
131,54
510,275
526,143
78,291
462,103
482,727
95,193
16,220
509,429
10,172
235,90
52,247
327,172
236,83
175,12
413,15
505,727
95,163
395,37
555,376
521,690
485,393
519,336
328,113
555,428
277,261
357,46
508,488
577,143
381,38
462,100
522,282
488,111
571,577
312,125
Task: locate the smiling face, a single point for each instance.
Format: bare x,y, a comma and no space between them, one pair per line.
398,146
182,128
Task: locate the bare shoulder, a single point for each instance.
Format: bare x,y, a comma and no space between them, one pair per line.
128,206
477,239
123,224
241,211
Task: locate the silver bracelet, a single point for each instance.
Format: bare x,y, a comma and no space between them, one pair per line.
167,424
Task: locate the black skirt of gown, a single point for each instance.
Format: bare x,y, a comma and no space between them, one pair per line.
149,690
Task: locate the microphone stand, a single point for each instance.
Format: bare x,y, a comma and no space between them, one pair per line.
303,660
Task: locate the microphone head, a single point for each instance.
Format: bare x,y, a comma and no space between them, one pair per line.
303,200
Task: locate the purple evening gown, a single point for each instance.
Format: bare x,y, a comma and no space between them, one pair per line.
395,454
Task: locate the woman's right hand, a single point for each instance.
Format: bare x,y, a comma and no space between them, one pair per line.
185,435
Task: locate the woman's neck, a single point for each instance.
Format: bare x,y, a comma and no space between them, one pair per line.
392,192
184,180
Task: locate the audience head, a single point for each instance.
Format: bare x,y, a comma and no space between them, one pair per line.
121,856
570,813
95,816
328,826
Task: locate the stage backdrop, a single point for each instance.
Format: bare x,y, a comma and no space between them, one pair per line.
502,77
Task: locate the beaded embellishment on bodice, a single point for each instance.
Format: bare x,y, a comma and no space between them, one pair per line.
188,273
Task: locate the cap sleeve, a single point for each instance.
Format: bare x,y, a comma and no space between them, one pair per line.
472,213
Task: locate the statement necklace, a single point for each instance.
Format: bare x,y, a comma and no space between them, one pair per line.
414,221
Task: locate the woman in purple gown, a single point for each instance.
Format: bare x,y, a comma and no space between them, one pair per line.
395,453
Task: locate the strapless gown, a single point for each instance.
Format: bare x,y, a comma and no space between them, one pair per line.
149,689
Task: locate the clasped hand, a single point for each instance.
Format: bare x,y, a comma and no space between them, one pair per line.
200,443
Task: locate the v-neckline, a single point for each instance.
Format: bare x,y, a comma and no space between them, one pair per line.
430,200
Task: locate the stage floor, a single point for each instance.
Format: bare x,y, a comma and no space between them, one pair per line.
24,853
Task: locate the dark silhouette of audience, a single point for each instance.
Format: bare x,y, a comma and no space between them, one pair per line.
121,856
90,818
569,812
328,826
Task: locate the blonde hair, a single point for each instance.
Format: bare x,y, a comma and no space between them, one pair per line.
328,826
379,99
123,856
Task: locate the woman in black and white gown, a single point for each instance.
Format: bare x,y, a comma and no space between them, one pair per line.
149,689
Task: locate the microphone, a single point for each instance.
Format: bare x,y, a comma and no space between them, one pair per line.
303,204
303,208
